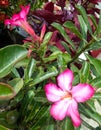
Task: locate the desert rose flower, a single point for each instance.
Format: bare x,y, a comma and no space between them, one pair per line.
20,19
66,97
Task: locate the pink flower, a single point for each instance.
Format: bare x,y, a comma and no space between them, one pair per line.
66,97
20,19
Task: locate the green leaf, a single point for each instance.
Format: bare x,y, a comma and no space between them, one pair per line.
51,73
63,33
67,124
6,91
97,95
65,45
83,26
3,128
96,82
89,113
9,56
48,127
73,28
17,84
30,68
84,15
93,18
96,63
40,96
85,72
52,57
96,45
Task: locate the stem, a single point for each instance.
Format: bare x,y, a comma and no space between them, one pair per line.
80,52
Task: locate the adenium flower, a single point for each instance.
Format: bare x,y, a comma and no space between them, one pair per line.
20,19
66,97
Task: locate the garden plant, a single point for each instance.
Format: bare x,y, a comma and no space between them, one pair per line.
50,70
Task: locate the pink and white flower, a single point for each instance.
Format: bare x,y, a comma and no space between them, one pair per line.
66,97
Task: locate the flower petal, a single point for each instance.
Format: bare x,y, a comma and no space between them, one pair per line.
74,114
15,17
59,109
53,93
7,21
24,11
82,92
65,80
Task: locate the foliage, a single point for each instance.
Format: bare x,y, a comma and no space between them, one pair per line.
72,28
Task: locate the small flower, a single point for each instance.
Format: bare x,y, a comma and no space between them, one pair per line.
20,19
66,97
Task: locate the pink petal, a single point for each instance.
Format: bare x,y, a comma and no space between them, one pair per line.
24,11
15,17
59,109
53,93
74,114
7,21
65,80
82,92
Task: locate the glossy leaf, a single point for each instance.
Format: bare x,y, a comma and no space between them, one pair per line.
9,56
6,91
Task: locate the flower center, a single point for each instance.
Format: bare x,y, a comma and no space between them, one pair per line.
67,95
